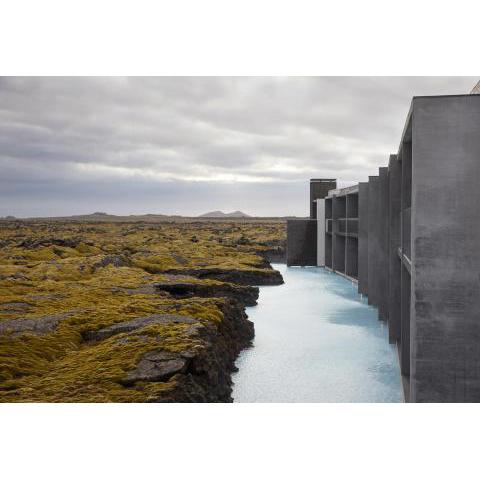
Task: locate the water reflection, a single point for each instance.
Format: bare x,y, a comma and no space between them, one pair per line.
316,340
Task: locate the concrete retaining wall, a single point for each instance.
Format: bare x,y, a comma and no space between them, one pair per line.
302,242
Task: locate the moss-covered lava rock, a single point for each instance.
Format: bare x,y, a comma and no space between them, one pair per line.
128,312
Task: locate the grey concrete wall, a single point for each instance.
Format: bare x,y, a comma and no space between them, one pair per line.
339,211
383,259
445,313
351,260
339,248
328,251
302,242
363,238
373,239
394,179
405,229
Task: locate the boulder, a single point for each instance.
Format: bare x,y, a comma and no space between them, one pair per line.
156,366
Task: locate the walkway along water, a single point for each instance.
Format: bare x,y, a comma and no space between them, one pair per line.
316,340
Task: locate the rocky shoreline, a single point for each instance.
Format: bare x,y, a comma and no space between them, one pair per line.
205,374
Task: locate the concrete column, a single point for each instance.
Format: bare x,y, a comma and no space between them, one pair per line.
363,238
373,240
405,293
328,234
321,233
339,246
383,263
351,248
395,178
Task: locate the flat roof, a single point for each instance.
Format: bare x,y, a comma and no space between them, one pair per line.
339,192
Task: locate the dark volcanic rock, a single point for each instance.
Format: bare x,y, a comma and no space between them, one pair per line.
275,251
36,325
241,277
14,307
115,260
201,373
276,254
244,294
156,366
30,243
130,325
208,375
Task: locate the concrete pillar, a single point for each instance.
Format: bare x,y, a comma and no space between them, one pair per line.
373,240
320,233
328,233
405,293
383,263
395,178
363,238
339,244
351,248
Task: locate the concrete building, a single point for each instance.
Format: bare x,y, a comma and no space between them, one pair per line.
410,238
302,233
319,188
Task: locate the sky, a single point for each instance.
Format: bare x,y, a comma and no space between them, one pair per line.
188,145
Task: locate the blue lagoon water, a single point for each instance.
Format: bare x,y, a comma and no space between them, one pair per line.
316,340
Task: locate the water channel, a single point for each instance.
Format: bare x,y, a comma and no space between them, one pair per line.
316,340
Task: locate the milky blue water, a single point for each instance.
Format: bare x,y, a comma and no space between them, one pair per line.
316,340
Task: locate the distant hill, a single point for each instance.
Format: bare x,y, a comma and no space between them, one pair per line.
102,217
219,214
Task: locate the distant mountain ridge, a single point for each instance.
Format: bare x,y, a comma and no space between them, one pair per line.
220,214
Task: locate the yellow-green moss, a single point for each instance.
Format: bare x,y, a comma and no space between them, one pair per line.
51,278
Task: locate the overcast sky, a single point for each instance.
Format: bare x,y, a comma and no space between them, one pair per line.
193,144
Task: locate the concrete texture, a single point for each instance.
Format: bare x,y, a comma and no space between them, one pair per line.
382,253
351,260
302,242
328,232
394,262
363,238
445,326
373,239
319,188
405,274
320,232
339,212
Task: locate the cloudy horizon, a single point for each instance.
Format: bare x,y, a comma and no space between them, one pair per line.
188,145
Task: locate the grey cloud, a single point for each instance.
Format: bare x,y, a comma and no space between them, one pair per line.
182,144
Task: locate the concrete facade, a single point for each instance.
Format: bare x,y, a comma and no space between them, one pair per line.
319,188
445,233
302,242
302,248
341,237
411,236
394,263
